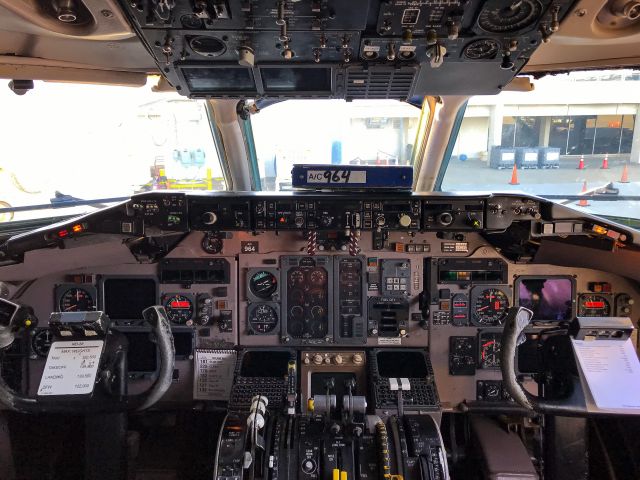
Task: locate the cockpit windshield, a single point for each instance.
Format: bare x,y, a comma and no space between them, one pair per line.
575,138
67,142
367,132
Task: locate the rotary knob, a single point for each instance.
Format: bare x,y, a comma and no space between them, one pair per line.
445,218
404,220
317,359
338,360
326,220
357,358
309,466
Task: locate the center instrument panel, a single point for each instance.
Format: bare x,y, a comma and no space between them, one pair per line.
355,49
335,281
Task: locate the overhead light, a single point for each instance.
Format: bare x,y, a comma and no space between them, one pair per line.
66,10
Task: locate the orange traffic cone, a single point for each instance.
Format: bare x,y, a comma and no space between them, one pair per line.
514,176
605,162
583,201
625,174
581,164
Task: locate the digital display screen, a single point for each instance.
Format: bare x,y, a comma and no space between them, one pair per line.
599,304
219,79
183,343
126,298
296,79
265,363
142,356
7,311
396,364
453,276
550,299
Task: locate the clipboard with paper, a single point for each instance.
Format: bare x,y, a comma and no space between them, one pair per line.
609,372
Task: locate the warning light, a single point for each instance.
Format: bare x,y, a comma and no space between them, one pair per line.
599,287
599,229
63,233
77,228
282,220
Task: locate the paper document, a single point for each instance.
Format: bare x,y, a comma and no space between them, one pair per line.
71,368
611,371
213,374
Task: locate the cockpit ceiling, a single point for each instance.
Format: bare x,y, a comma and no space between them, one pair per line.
359,49
597,34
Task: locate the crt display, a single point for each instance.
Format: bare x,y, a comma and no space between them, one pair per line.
550,299
296,79
265,363
407,364
126,298
219,79
142,355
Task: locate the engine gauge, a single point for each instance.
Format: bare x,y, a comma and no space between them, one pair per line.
594,305
316,329
489,347
263,284
41,342
498,16
179,308
482,49
296,278
318,277
263,318
317,296
295,328
76,300
489,306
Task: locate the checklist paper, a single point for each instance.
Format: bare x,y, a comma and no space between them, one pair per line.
213,374
610,371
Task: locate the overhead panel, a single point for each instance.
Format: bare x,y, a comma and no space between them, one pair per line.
335,49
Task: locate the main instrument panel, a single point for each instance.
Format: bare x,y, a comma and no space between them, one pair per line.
335,280
354,49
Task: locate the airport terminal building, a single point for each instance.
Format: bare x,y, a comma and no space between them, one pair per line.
590,114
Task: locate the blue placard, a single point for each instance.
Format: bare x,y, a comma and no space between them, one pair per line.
352,176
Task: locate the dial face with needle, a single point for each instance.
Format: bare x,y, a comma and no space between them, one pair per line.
499,16
490,345
489,306
76,300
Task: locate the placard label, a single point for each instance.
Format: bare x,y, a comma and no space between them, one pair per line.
71,368
336,176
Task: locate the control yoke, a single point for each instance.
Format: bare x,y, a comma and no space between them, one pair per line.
573,404
112,370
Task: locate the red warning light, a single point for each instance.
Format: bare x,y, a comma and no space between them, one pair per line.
180,304
63,233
